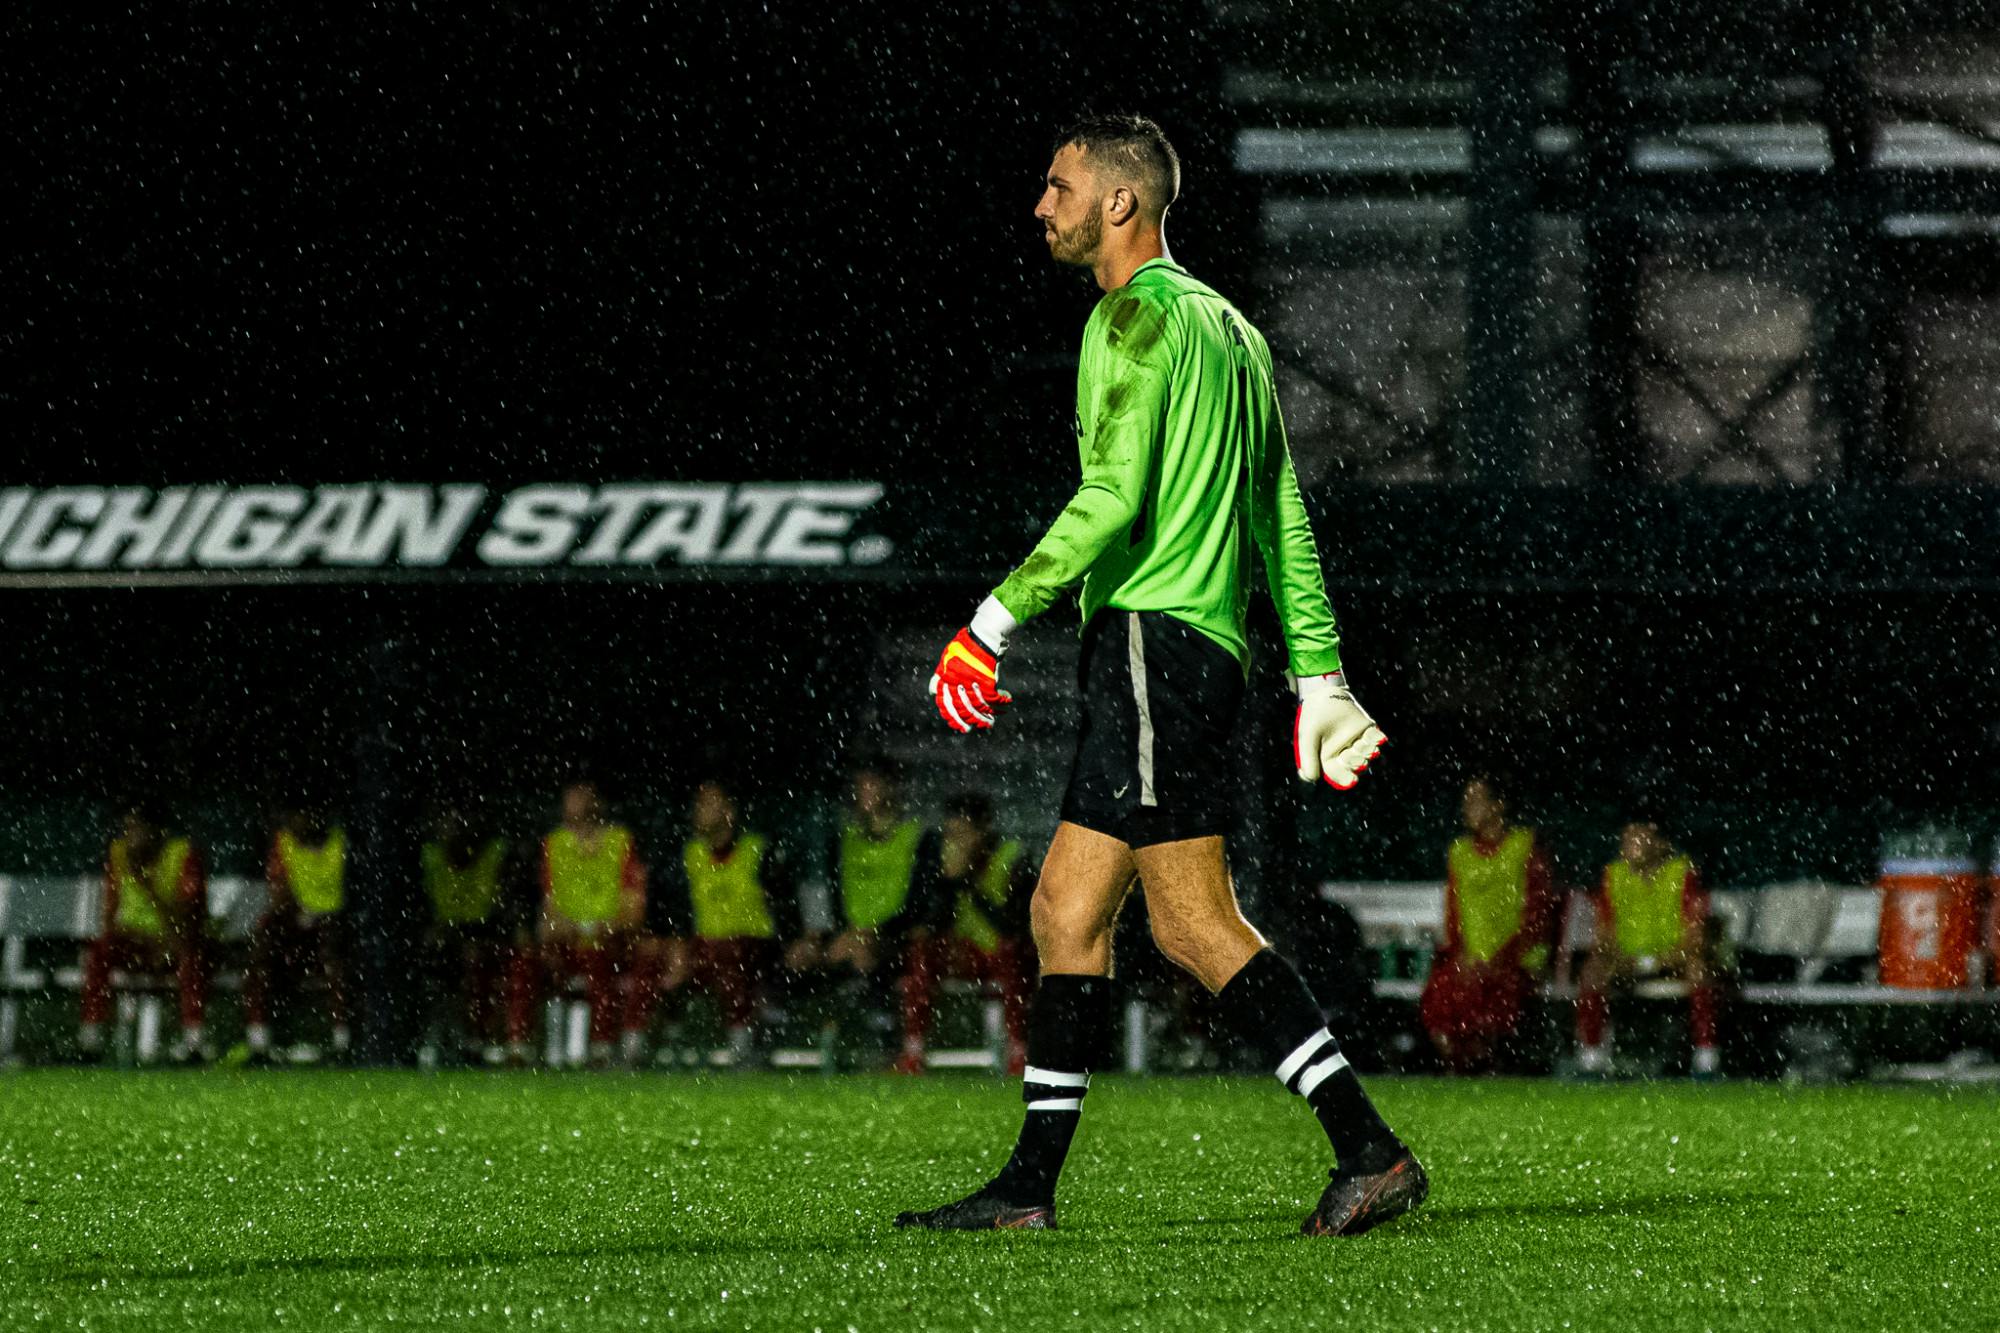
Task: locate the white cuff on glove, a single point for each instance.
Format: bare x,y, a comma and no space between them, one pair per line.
1308,686
992,623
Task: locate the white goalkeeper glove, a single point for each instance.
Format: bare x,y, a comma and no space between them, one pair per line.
1332,738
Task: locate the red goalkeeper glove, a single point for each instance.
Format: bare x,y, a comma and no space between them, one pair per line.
966,684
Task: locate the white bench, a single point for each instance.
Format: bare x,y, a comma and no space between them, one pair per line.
70,909
1410,915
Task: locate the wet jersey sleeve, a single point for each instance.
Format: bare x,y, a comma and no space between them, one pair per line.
1126,398
1291,556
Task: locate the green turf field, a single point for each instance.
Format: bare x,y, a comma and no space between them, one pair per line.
305,1201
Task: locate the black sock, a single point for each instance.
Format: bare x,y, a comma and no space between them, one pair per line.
1271,1010
1069,1023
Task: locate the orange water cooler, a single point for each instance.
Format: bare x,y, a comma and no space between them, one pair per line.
1931,890
1993,918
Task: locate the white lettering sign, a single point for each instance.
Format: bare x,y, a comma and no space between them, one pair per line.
384,526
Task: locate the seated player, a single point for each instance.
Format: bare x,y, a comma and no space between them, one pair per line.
989,883
1498,911
593,904
466,940
1652,920
155,920
723,916
305,925
889,905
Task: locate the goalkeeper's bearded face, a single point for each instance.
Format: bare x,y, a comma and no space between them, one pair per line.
1071,210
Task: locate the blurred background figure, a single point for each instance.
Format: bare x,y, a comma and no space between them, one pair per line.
593,904
889,911
988,883
466,945
722,919
1652,920
1499,909
155,921
304,926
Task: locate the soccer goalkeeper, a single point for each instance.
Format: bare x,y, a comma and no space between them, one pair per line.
1187,481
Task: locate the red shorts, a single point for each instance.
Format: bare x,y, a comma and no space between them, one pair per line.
733,970
1461,1001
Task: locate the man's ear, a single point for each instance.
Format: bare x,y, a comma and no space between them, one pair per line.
1123,205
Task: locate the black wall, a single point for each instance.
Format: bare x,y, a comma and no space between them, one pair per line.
265,242
716,242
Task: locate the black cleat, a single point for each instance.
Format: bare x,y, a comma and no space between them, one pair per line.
1358,1201
980,1211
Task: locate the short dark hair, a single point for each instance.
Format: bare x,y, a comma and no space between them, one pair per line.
1139,145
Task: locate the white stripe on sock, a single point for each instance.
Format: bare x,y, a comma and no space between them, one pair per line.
1321,1072
1054,1078
1057,1104
1296,1061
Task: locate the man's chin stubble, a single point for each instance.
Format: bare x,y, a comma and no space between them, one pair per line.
1066,258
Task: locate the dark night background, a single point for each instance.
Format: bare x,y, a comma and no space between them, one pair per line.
256,243
726,241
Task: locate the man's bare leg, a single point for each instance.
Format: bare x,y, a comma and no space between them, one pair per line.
1084,881
1198,925
1192,903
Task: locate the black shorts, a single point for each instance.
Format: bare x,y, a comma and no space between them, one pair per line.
1160,701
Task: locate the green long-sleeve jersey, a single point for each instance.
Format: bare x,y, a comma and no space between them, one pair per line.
1187,477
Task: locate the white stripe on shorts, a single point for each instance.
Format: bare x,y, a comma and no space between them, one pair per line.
1136,653
1057,1104
1054,1078
1296,1061
1321,1072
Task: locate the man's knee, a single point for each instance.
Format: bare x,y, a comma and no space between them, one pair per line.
1046,921
1210,958
1177,940
1064,925
1212,949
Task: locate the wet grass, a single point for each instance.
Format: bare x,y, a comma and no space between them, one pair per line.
304,1201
